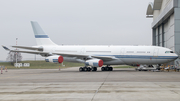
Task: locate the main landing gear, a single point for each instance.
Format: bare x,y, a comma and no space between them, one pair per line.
87,69
107,68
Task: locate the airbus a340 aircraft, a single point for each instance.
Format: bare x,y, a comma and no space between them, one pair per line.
95,56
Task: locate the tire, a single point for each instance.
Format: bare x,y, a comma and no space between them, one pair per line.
92,68
80,69
88,69
111,69
107,68
102,69
95,68
85,69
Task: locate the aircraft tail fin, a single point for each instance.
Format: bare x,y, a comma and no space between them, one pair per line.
41,37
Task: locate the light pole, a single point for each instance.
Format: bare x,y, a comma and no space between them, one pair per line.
16,52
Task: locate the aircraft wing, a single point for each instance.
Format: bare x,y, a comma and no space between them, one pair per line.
72,55
30,48
104,58
78,56
30,52
6,48
48,53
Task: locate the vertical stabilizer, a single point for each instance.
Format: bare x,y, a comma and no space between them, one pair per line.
41,37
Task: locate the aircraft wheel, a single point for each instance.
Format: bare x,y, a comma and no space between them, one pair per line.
102,69
92,68
107,68
80,69
85,69
110,68
88,69
95,68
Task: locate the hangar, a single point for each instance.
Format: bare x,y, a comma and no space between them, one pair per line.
166,23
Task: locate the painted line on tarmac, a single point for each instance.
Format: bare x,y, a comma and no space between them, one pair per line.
100,87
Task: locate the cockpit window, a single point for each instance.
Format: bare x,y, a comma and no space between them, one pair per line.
169,52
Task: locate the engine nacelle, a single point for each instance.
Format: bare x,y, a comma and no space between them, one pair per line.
94,62
54,59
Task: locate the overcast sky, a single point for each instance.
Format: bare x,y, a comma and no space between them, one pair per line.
82,22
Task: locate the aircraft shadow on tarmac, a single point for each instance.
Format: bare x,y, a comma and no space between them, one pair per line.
66,71
76,71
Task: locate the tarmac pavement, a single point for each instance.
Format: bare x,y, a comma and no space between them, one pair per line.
122,84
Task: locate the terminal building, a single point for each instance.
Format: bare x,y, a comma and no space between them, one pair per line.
166,23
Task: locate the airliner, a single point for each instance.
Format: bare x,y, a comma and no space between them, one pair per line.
95,56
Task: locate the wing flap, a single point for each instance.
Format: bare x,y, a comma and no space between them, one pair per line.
78,56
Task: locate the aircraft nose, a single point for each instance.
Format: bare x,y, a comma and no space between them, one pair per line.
176,56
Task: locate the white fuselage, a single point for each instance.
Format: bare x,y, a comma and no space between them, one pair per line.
123,54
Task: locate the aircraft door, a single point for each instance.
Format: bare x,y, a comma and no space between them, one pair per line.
82,51
122,52
155,53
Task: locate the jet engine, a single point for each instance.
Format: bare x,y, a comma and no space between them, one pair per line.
94,62
54,59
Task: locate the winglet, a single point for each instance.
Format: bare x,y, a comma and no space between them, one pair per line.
6,48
